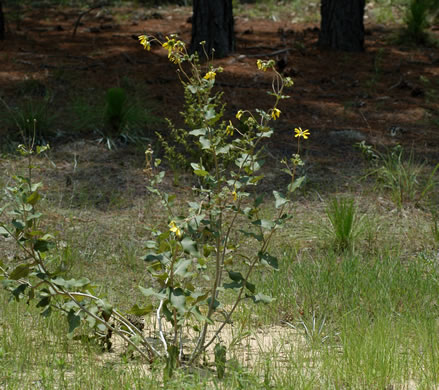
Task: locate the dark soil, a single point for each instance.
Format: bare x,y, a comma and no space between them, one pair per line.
387,95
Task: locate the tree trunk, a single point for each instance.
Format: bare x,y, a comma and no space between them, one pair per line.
342,26
212,22
2,23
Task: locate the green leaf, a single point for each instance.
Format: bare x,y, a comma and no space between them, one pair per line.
21,271
235,276
296,184
262,298
192,88
264,224
205,143
198,132
220,353
45,301
141,311
47,312
209,114
151,292
190,246
233,285
73,320
258,237
181,268
195,311
43,245
250,287
33,198
4,232
268,260
178,300
216,303
280,199
224,149
19,225
19,290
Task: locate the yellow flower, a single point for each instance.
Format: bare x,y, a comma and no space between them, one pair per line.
301,133
260,65
210,75
144,42
235,195
239,114
230,128
175,229
275,113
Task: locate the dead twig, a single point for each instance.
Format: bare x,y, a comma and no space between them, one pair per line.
99,5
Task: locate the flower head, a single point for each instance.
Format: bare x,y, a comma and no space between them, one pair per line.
301,133
275,113
210,75
264,65
239,114
230,128
175,229
235,195
144,42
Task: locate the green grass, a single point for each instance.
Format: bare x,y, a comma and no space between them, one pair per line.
353,319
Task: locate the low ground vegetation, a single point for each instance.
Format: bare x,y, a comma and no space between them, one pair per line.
355,290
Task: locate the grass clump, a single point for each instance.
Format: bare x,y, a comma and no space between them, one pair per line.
402,177
344,225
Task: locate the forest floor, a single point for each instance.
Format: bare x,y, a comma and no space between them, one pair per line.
387,95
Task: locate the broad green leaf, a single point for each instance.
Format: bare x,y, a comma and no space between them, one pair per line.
280,199
216,303
224,149
296,184
141,311
45,301
233,285
181,268
151,292
192,88
73,320
205,143
258,201
235,276
262,298
250,287
258,237
19,225
268,260
21,271
178,300
190,246
43,245
198,132
209,114
195,311
264,224
33,198
19,290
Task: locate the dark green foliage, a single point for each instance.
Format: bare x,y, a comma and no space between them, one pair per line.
115,111
419,13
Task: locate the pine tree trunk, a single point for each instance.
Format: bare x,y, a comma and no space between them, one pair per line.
212,22
2,23
342,26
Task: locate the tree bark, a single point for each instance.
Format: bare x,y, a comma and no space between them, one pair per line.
342,26
212,22
2,23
